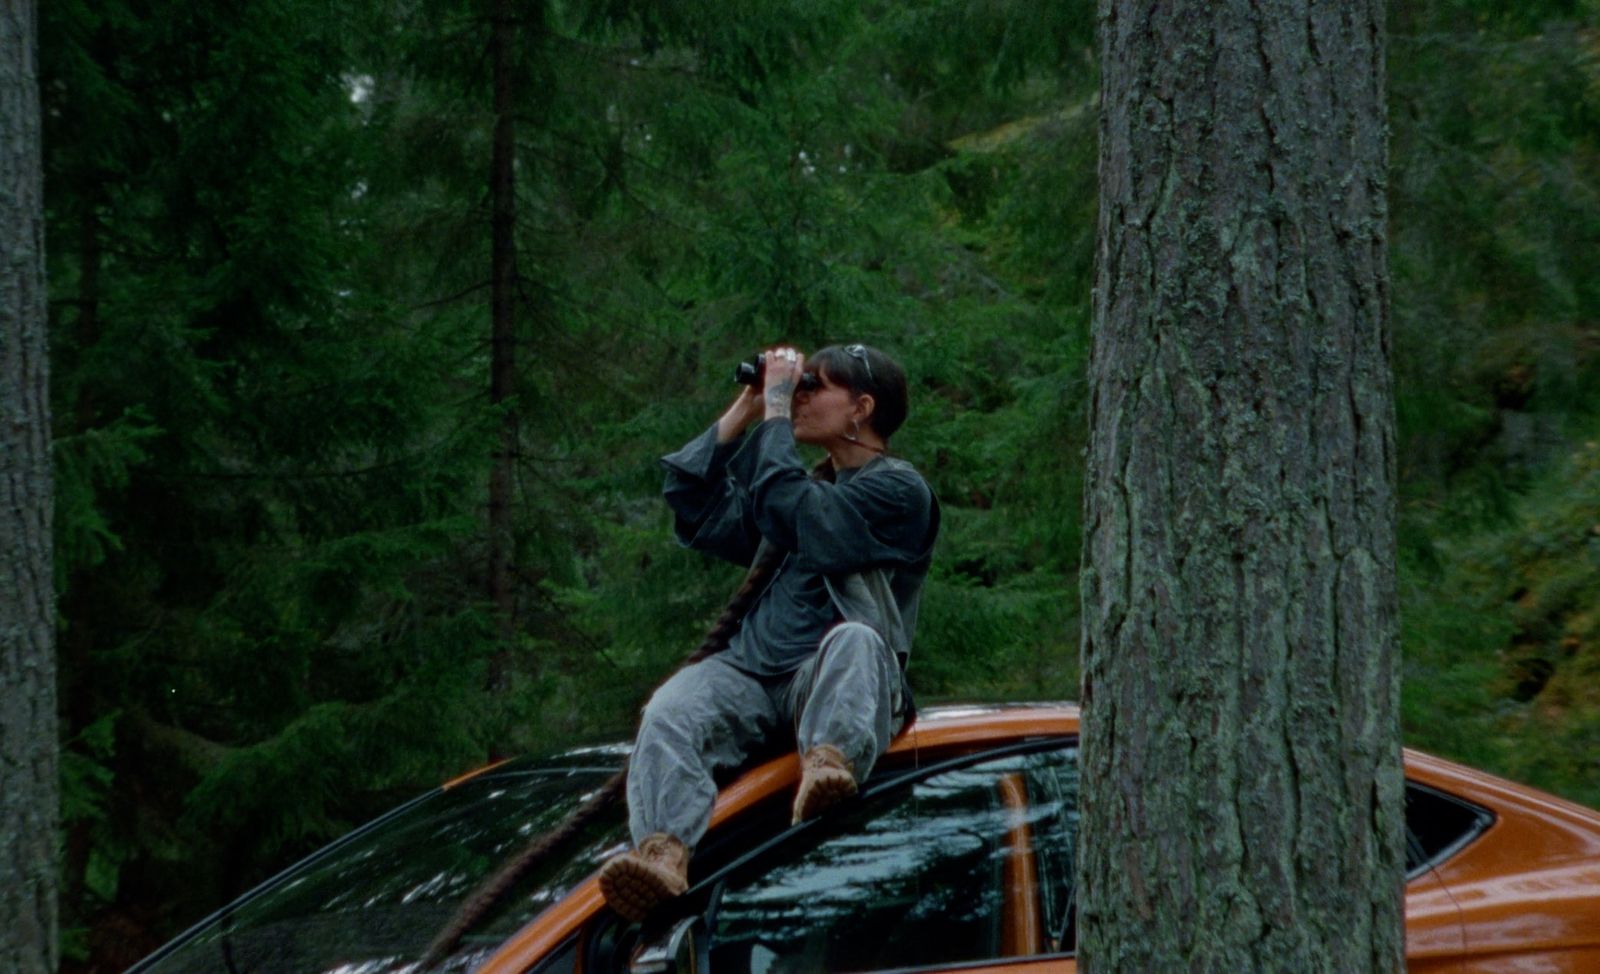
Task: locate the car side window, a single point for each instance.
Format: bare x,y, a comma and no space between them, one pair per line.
969,864
1437,825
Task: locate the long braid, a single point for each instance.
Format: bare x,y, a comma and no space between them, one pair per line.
491,890
755,582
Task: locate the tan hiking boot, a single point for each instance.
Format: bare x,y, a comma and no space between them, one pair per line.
825,780
640,880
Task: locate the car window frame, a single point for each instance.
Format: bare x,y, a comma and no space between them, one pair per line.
1483,821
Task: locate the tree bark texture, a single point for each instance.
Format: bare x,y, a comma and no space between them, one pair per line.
28,757
503,303
1242,782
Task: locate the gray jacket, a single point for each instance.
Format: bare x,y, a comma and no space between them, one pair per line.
869,538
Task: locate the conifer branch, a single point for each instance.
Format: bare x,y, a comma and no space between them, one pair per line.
448,299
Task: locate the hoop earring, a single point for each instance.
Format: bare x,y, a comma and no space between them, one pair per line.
855,437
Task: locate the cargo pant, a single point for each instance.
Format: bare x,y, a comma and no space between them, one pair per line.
712,716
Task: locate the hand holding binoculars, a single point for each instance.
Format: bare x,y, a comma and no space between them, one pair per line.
753,372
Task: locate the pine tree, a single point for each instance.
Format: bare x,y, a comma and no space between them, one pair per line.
260,474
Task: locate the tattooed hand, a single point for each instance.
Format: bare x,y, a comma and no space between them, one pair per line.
784,366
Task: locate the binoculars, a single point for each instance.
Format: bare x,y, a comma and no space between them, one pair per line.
753,372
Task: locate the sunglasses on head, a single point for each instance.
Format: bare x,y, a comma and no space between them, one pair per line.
860,352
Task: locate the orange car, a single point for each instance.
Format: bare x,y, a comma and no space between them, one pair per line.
958,855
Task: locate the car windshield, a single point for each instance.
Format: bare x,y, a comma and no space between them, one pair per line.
375,900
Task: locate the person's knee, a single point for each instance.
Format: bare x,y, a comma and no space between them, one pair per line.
855,634
672,709
855,640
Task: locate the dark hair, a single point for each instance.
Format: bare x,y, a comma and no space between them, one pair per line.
864,369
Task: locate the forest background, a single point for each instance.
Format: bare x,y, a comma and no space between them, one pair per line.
270,264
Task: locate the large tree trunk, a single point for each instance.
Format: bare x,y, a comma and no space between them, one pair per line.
502,366
1242,784
28,759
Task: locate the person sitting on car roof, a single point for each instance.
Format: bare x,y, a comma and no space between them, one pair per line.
815,642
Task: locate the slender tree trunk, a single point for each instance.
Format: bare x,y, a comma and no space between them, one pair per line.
75,643
28,759
503,297
87,331
1242,784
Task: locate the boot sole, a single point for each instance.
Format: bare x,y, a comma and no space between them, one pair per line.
633,889
826,791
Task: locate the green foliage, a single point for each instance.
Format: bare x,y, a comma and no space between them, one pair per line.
1504,651
1496,166
88,463
87,781
1494,215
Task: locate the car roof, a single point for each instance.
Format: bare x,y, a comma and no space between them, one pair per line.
936,726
